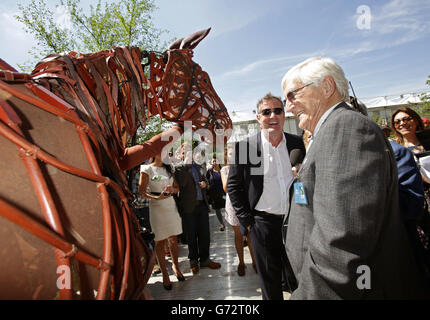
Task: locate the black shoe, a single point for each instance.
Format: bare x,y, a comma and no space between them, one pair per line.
167,287
180,278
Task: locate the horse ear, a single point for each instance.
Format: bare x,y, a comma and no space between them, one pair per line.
175,44
194,39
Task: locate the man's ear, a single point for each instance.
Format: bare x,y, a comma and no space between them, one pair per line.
258,116
328,86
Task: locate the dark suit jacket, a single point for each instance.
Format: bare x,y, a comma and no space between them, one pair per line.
246,179
411,192
352,220
187,197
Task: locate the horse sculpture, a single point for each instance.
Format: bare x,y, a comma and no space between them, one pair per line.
66,227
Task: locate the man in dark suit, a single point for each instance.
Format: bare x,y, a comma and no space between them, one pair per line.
345,238
194,208
258,184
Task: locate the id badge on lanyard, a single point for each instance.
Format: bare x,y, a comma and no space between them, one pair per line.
299,193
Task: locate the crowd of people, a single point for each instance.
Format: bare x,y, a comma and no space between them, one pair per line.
341,212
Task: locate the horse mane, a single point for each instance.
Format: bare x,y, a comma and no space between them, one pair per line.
106,88
111,92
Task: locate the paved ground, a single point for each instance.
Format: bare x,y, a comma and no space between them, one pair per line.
221,284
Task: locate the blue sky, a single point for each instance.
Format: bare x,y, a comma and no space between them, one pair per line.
253,43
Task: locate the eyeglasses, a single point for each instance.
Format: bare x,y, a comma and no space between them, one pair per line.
292,94
268,112
405,119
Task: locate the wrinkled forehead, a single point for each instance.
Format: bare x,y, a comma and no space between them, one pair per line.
290,79
299,75
291,85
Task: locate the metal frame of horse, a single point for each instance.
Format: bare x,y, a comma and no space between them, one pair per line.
67,228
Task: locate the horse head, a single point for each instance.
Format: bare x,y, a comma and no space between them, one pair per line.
182,91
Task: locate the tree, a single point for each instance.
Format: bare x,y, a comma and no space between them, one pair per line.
153,126
424,110
120,23
377,119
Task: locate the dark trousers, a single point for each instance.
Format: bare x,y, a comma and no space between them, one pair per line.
219,216
143,217
198,234
183,235
269,252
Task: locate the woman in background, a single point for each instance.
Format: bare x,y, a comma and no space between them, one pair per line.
230,217
405,123
216,191
157,183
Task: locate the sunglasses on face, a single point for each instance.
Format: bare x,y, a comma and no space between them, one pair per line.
292,94
268,112
405,120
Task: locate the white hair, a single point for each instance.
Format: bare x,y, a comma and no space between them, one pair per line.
315,70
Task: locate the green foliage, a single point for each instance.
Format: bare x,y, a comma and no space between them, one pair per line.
377,118
153,126
424,110
39,21
118,23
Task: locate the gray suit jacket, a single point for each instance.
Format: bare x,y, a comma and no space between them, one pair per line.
352,217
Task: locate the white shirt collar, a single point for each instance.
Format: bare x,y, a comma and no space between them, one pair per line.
277,177
265,142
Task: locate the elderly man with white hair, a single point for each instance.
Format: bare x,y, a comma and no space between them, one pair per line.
345,238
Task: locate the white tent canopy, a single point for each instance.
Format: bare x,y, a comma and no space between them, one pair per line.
392,100
374,102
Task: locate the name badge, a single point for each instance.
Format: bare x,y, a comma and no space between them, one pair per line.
299,193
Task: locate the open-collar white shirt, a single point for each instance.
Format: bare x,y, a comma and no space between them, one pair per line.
277,177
